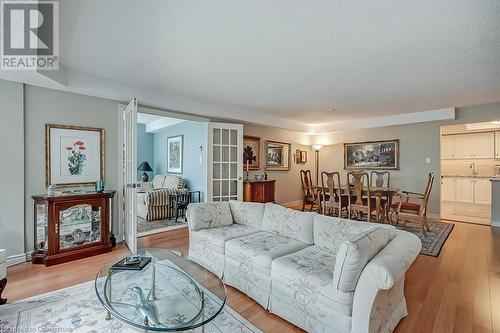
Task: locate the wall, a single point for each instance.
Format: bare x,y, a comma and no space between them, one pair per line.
417,141
145,149
194,137
288,185
52,106
12,170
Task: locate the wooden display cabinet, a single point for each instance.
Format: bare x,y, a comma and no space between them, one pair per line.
71,226
259,191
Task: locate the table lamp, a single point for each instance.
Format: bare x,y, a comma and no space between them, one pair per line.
146,168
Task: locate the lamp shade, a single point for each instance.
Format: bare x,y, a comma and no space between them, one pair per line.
144,167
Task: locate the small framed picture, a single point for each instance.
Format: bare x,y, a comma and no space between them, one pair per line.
175,154
74,155
277,156
251,152
303,156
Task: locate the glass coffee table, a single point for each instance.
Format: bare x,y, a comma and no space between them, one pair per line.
170,294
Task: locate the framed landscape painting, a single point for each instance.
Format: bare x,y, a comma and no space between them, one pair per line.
175,153
251,150
372,155
277,156
74,155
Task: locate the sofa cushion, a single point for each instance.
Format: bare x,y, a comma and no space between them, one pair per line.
261,248
158,181
3,263
247,213
330,232
355,253
218,236
289,223
173,182
206,215
3,255
311,271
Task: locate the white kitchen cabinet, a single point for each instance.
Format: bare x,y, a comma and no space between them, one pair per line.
482,145
497,144
464,190
448,189
463,148
448,147
482,191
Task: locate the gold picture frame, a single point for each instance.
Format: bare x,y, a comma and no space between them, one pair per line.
278,156
254,143
372,155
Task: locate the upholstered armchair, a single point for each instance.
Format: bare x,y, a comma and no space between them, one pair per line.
3,274
153,200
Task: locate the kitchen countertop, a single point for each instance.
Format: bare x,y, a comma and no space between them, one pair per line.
476,176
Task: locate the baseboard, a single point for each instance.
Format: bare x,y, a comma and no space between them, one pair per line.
291,203
16,259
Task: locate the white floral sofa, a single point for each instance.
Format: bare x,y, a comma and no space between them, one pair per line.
323,274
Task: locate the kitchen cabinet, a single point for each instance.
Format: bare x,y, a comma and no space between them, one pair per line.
482,145
497,144
448,189
482,191
448,147
462,146
464,190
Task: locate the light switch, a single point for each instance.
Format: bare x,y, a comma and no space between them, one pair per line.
428,160
201,159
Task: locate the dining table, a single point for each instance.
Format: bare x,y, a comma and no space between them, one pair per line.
378,192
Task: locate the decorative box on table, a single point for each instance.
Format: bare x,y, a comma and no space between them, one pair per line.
71,226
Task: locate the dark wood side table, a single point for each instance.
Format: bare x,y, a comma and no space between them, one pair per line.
259,191
180,201
71,226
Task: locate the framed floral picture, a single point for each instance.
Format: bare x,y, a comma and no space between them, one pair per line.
175,153
251,152
74,155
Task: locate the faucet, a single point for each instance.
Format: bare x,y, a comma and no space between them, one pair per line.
473,167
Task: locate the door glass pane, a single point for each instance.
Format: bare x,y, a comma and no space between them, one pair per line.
225,171
234,171
225,199
216,199
225,136
225,154
225,188
234,188
79,225
216,189
234,198
216,134
234,137
216,153
216,173
234,154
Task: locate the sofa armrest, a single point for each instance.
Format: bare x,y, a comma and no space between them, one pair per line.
146,186
157,197
380,286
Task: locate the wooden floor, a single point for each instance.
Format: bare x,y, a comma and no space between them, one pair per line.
459,291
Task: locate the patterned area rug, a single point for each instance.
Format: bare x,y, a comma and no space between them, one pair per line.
435,239
77,309
153,227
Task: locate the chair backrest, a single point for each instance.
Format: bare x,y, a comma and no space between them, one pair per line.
428,189
356,181
307,184
330,181
380,179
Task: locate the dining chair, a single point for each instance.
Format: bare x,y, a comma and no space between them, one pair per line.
332,199
359,199
381,179
412,206
309,189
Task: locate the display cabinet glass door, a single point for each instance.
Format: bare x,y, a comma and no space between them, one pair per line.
79,225
41,223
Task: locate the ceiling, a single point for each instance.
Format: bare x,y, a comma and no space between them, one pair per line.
310,65
144,118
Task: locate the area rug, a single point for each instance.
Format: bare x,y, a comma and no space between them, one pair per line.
145,228
77,309
434,240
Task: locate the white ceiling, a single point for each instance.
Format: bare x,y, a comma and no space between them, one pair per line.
144,118
285,63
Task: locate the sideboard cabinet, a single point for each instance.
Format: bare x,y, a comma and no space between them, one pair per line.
259,191
71,226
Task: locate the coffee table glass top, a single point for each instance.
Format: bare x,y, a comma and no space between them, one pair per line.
170,294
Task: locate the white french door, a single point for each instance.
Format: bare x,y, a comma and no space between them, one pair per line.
130,174
225,162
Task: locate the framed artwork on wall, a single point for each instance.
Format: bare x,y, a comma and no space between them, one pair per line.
251,152
175,153
372,155
74,155
300,156
277,156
